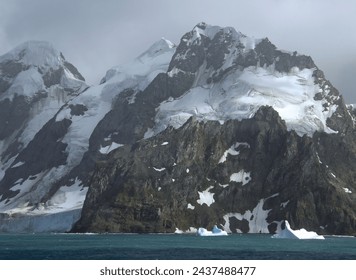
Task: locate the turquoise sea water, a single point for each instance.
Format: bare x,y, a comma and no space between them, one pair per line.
170,246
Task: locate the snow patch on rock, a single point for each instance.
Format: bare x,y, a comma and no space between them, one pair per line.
189,206
241,177
257,219
109,148
347,190
232,151
206,197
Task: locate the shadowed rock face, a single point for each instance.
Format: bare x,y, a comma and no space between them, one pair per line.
12,115
269,174
146,187
52,154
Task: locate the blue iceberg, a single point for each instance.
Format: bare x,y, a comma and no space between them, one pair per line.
214,232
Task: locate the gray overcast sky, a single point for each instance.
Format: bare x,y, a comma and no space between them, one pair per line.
95,35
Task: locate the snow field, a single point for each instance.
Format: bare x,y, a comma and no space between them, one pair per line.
240,95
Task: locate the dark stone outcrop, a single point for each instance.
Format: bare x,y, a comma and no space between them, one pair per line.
77,109
73,70
12,115
146,187
44,152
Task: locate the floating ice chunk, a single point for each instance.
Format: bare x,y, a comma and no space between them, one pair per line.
178,231
215,232
297,234
189,231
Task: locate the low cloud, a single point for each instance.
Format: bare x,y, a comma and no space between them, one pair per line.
96,35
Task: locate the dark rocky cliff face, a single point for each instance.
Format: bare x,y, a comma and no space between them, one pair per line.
247,176
147,186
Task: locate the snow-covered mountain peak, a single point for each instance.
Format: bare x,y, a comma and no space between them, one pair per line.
147,65
33,67
211,30
213,50
35,82
234,75
35,53
161,46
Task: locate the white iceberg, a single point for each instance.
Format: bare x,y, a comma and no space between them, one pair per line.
215,232
179,231
191,230
296,234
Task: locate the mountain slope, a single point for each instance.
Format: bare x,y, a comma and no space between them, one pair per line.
44,178
199,147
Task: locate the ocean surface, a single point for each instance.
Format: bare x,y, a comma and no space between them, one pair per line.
170,246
